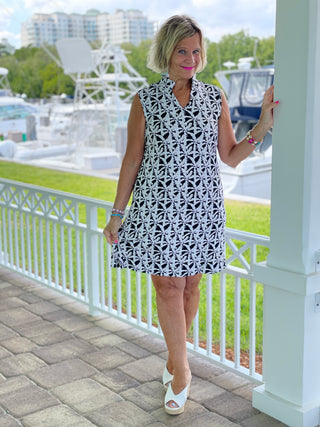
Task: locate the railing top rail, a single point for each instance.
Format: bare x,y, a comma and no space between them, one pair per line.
57,193
248,237
230,233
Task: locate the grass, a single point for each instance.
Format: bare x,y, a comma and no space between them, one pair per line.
248,217
98,188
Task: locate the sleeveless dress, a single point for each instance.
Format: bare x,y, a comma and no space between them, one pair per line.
175,225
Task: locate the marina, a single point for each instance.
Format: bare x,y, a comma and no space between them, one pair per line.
88,134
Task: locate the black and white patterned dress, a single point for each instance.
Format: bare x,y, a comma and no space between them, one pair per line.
175,226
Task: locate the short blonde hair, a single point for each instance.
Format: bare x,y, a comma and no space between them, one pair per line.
175,29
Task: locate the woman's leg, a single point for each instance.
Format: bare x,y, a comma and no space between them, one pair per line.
170,304
191,299
177,303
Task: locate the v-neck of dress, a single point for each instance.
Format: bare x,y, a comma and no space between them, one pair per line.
182,106
170,85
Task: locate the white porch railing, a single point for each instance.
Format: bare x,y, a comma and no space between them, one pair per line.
56,239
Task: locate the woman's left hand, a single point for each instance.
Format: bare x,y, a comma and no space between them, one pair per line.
266,116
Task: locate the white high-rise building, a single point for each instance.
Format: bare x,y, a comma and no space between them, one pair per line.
40,29
124,26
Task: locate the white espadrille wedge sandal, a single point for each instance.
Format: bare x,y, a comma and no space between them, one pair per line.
178,399
166,378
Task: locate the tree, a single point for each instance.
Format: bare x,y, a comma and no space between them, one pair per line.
138,58
213,63
33,72
55,81
235,46
265,51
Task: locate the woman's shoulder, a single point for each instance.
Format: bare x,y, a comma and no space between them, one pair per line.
207,87
209,93
150,88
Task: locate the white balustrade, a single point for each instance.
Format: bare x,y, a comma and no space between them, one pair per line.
56,238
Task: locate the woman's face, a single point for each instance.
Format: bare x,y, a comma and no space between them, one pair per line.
185,58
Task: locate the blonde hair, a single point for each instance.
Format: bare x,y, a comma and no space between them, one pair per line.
175,29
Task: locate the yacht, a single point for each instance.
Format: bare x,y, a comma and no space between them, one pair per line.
244,88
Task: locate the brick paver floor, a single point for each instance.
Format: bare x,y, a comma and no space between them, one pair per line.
61,367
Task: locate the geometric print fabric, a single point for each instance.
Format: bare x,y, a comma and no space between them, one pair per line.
175,226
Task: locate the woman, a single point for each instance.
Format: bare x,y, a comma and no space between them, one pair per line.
175,227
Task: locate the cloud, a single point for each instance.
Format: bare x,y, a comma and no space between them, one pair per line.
6,14
39,6
221,17
78,6
204,3
13,38
215,17
9,35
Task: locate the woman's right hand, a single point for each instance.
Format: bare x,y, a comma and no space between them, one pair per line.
111,229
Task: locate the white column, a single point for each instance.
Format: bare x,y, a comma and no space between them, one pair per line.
291,358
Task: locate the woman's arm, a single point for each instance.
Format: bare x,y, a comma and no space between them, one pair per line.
130,166
231,152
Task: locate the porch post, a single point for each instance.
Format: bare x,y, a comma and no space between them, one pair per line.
291,355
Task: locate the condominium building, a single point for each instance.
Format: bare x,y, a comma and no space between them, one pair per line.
124,26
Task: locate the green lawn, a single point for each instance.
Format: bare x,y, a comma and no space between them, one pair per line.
248,217
98,188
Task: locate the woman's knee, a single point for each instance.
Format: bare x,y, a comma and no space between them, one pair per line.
168,287
192,283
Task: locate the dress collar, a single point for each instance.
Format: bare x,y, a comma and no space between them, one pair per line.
169,84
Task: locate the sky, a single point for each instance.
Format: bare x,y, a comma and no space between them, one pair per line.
215,17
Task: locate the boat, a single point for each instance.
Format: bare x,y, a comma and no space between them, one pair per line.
17,117
89,133
244,88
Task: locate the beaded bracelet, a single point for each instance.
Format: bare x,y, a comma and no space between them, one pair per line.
118,211
251,140
117,214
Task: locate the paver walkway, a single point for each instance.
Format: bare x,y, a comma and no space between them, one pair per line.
60,367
